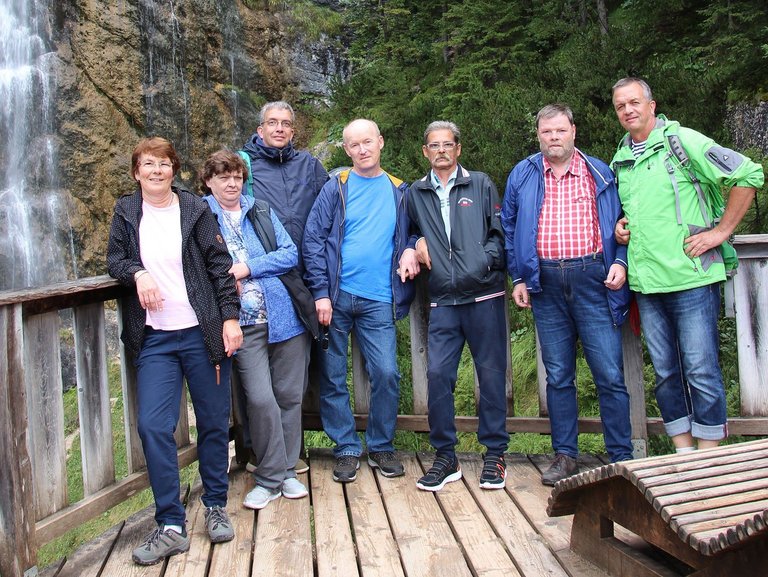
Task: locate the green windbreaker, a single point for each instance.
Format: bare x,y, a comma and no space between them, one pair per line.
657,260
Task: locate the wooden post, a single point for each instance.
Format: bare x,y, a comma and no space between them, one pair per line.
541,378
45,412
93,398
419,322
18,550
633,378
135,453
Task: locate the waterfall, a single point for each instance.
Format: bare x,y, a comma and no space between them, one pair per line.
37,243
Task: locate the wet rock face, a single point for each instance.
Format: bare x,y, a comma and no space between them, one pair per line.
748,125
193,71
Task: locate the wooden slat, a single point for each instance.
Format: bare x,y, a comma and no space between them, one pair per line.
740,511
93,398
134,451
375,545
751,323
427,545
633,377
671,482
234,558
45,412
419,322
89,559
530,552
283,538
700,499
54,297
18,550
333,537
59,523
360,382
525,488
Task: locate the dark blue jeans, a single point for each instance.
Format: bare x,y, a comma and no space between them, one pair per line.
482,326
374,326
680,331
166,358
573,305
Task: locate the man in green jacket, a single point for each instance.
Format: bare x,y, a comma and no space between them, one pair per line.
671,225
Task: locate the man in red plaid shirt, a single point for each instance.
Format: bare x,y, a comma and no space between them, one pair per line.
560,207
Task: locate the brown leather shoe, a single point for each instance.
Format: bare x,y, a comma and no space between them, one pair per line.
561,468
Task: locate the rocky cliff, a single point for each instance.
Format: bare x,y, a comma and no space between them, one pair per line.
193,71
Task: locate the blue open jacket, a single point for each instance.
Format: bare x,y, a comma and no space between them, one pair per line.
523,199
324,236
267,267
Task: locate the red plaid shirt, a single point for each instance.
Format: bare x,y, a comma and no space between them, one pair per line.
568,225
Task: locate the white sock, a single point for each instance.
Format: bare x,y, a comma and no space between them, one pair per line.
176,528
681,450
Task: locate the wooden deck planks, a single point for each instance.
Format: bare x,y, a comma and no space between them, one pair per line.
376,547
485,550
333,537
283,538
427,545
373,527
531,554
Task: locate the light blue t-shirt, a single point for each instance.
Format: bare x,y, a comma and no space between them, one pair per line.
369,238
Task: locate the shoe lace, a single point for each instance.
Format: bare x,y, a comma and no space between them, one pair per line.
560,463
347,460
216,517
385,457
153,539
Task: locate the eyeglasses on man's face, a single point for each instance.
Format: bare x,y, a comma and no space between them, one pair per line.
273,123
435,146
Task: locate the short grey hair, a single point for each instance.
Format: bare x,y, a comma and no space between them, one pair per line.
277,105
552,110
634,80
443,125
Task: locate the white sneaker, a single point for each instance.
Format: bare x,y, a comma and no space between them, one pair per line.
260,497
294,489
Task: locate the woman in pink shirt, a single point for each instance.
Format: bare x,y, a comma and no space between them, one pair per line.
180,321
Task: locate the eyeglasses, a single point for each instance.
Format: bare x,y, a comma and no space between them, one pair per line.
435,146
272,123
324,338
150,165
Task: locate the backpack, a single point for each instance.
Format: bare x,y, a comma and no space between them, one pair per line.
711,203
249,181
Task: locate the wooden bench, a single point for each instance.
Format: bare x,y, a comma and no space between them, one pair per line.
705,514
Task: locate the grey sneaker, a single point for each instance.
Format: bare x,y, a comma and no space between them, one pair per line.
386,463
346,468
292,488
218,525
260,497
159,544
561,468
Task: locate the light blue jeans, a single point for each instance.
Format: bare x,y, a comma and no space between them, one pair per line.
681,333
374,326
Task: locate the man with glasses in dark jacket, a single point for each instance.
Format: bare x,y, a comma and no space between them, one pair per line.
456,233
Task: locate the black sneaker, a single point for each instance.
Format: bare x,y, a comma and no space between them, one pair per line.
494,472
346,468
443,471
386,463
561,468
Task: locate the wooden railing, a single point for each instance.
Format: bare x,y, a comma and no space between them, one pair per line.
34,506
